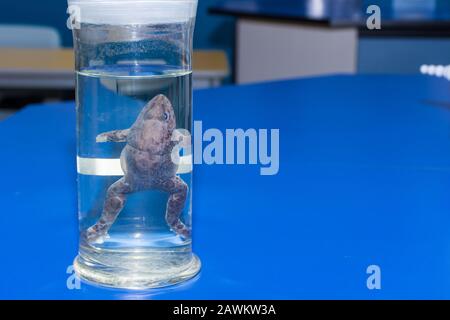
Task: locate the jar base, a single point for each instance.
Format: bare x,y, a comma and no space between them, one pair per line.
117,278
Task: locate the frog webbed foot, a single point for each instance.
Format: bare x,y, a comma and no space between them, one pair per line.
93,235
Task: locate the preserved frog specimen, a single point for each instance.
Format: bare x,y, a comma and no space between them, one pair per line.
147,164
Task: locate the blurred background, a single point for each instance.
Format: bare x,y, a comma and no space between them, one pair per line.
237,42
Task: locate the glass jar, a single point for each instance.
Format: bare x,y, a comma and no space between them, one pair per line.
134,161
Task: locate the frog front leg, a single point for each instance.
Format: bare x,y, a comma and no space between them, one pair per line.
177,190
113,136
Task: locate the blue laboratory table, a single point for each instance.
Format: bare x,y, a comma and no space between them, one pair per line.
364,180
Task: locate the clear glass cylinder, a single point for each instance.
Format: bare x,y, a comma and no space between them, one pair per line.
134,161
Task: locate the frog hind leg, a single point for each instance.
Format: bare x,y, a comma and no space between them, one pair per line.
114,203
177,190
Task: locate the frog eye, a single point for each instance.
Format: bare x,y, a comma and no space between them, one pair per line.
165,116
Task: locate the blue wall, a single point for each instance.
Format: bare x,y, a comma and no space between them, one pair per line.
401,55
213,31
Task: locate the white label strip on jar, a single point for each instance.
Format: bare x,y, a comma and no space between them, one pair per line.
112,167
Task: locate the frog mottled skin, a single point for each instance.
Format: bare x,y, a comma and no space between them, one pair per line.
147,164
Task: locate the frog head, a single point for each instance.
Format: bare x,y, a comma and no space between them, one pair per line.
159,109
